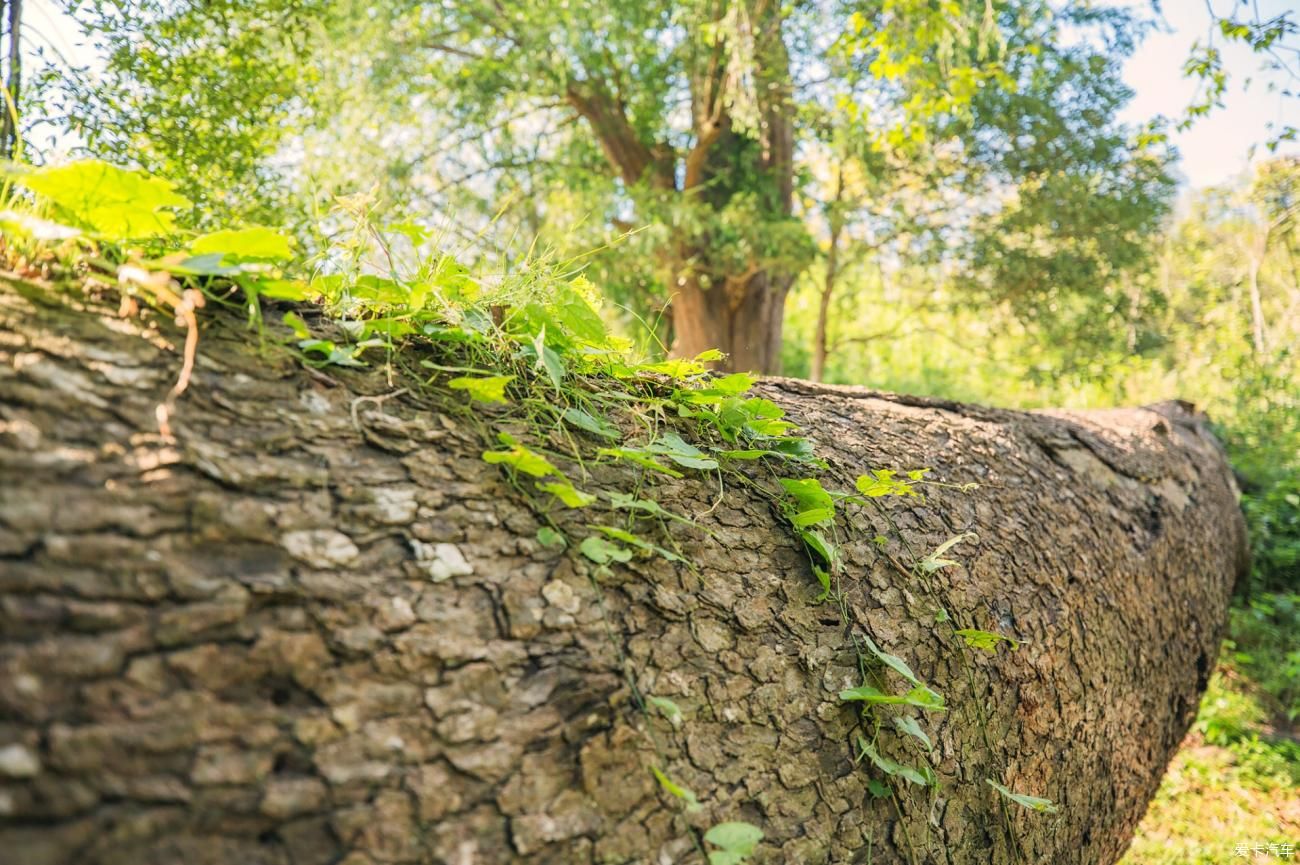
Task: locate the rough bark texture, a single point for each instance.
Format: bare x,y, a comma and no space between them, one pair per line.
314,629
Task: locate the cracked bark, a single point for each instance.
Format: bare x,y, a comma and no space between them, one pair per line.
287,639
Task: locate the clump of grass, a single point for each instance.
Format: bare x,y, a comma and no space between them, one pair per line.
1236,779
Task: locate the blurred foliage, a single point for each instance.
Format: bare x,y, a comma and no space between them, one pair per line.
1216,320
1188,327
981,135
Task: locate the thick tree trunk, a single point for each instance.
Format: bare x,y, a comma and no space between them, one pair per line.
742,318
9,124
317,628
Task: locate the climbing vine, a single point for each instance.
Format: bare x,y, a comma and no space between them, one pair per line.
526,359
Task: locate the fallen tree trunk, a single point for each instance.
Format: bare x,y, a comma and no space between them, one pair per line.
316,627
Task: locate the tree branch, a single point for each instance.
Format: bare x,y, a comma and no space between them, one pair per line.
627,153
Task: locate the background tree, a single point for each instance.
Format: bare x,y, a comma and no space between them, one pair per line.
695,121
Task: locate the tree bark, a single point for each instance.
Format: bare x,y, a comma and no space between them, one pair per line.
743,317
9,129
835,224
315,627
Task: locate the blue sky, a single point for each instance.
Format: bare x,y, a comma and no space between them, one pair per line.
1213,151
1217,147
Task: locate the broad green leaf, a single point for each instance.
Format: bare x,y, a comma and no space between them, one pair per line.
284,289
894,662
1033,803
256,243
641,458
923,777
592,424
487,389
550,538
731,385
879,789
681,452
736,842
602,552
548,360
985,640
803,519
808,494
921,697
567,493
692,803
676,368
111,201
521,459
713,391
883,483
576,317
795,448
297,325
907,724
819,545
668,709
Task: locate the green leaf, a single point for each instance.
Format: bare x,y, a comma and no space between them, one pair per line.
921,697
803,519
923,777
794,448
521,459
681,452
736,842
548,360
985,640
602,552
808,494
550,538
1033,803
894,662
676,368
907,725
883,483
592,424
257,243
284,289
692,803
297,325
111,201
824,578
567,493
668,709
487,389
819,545
713,391
626,501
638,542
641,458
576,316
